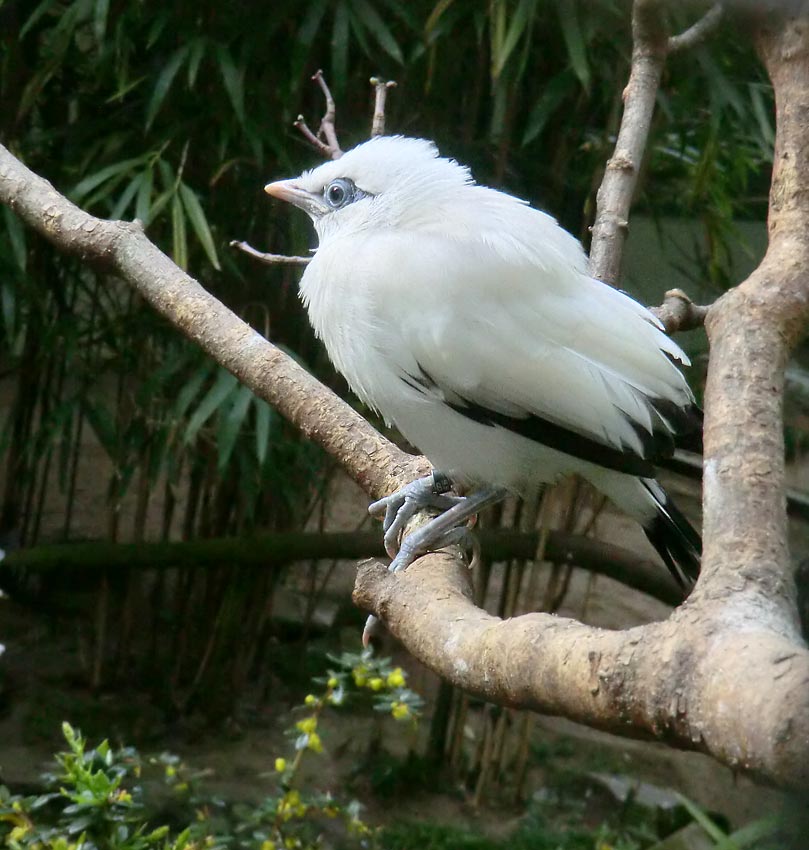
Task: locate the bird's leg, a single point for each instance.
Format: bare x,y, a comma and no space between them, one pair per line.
400,507
448,527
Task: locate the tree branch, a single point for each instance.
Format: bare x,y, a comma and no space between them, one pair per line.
620,177
698,32
269,259
381,88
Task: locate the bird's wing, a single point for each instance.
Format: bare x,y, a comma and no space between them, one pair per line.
539,348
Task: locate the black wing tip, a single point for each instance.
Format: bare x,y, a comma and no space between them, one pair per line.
676,541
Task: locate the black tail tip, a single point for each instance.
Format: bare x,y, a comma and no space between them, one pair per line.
676,541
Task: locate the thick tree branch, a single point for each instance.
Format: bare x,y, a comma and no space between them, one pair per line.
122,249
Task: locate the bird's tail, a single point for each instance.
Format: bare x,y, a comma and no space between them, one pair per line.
672,535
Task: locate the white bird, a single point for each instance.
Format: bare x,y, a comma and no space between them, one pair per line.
469,320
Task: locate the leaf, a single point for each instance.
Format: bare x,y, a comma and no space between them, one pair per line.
190,389
233,78
520,24
101,12
199,222
713,831
103,425
230,425
339,45
264,415
84,187
554,95
143,202
126,197
371,19
179,238
44,7
574,40
216,396
311,23
164,82
438,10
196,54
16,236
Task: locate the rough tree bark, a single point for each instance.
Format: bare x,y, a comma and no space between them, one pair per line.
727,673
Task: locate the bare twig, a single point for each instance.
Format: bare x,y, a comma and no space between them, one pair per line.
327,123
270,259
621,175
697,32
300,124
380,96
679,313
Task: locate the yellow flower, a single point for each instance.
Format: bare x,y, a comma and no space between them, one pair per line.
18,832
332,683
359,677
311,699
268,845
280,764
307,725
171,770
314,743
376,684
400,710
121,796
396,678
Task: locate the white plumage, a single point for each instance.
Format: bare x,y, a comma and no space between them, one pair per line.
469,320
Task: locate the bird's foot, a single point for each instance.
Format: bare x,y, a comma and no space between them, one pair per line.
447,528
400,507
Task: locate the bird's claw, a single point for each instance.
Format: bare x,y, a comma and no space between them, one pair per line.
400,507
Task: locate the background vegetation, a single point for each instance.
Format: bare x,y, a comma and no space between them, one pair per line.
177,114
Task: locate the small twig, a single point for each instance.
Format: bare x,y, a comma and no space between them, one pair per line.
301,125
381,95
697,32
327,129
270,259
679,313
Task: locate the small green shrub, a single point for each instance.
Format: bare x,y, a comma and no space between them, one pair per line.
96,799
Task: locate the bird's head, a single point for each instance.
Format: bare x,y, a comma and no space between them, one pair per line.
387,181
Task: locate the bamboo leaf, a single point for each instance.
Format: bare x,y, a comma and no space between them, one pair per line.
230,425
574,40
16,236
438,10
84,187
520,24
44,7
339,45
311,23
195,56
191,388
103,424
126,197
179,236
143,202
100,14
371,19
233,78
264,415
216,396
556,92
199,222
163,84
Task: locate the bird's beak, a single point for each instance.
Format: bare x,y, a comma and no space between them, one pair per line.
291,191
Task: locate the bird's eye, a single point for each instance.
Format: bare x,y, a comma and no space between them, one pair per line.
339,193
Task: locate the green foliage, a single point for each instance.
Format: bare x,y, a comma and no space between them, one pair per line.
98,799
